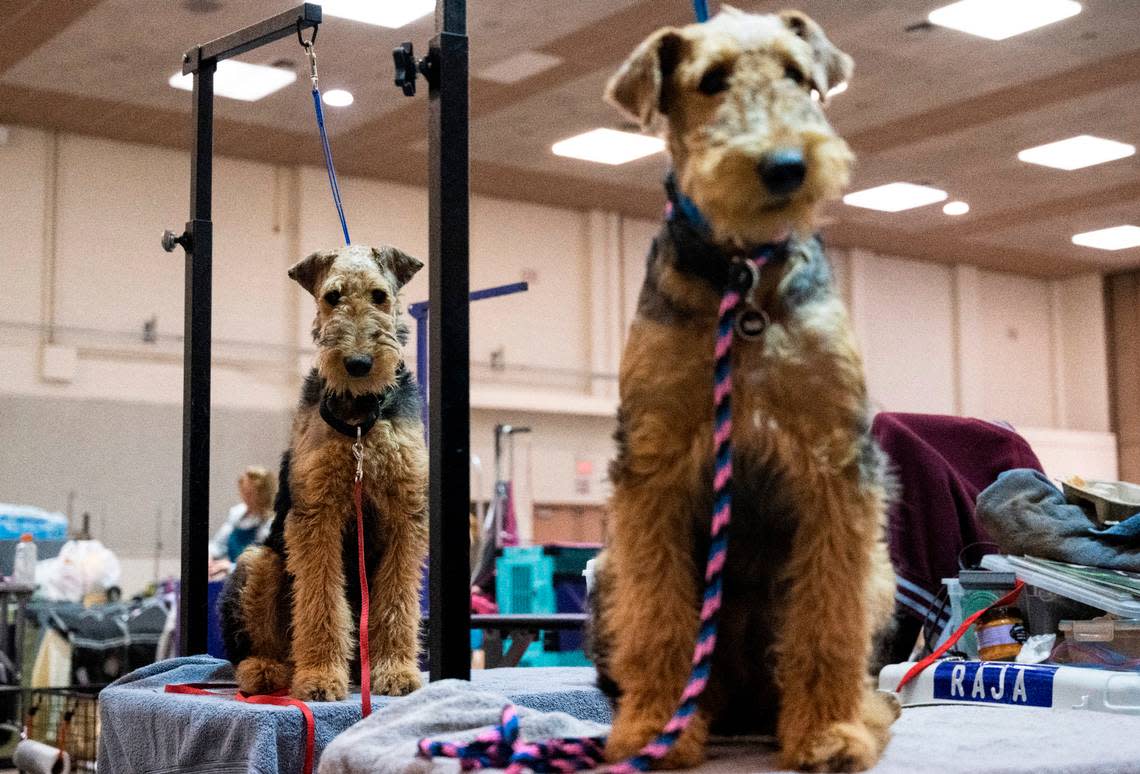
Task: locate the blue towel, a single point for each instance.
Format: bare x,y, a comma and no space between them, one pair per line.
145,729
1026,514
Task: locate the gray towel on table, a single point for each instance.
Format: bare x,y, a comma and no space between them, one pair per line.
1026,514
449,710
148,731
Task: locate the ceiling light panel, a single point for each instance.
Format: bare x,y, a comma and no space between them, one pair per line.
1115,238
1077,152
382,13
1001,19
241,80
608,146
895,197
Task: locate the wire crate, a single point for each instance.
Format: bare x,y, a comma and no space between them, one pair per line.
66,718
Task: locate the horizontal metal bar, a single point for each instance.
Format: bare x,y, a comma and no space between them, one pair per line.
306,15
419,309
521,622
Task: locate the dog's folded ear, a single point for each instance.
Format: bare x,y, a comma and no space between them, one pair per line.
307,272
641,86
402,266
832,66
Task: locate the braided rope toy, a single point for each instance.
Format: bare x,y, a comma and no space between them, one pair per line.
501,746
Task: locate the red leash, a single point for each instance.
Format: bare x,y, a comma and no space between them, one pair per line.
362,638
279,699
918,668
365,665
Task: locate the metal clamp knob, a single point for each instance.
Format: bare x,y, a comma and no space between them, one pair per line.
170,240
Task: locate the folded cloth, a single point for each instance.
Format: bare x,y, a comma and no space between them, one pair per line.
448,710
941,463
1026,514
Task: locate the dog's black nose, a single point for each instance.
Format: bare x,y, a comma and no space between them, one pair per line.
358,365
783,171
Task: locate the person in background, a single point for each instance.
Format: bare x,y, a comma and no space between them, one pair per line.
248,522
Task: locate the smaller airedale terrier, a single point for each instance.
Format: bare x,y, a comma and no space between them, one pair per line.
288,610
807,583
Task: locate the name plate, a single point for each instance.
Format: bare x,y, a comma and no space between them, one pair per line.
1022,685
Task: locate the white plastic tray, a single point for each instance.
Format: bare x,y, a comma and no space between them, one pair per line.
1000,683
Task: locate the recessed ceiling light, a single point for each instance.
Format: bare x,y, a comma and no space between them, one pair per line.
241,80
1115,238
608,146
955,208
337,97
1076,152
895,197
519,67
382,13
1001,19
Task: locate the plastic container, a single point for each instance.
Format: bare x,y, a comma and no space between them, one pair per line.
24,566
999,683
15,520
1106,643
1119,603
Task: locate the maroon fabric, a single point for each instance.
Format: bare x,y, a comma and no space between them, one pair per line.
941,464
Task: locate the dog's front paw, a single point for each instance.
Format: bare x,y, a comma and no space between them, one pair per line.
396,681
837,747
328,684
261,675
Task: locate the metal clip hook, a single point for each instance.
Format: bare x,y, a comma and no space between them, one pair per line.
311,52
358,453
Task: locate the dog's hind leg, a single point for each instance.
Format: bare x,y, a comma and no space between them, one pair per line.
829,721
264,620
394,615
322,634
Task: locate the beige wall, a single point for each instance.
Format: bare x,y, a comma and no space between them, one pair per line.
79,255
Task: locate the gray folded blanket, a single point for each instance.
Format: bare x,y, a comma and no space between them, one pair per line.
1026,514
448,710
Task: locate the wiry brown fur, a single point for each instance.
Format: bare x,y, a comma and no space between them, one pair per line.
288,602
807,581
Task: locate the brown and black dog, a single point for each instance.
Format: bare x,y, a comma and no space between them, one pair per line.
289,607
807,583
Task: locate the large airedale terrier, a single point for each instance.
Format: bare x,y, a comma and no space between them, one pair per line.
807,582
289,607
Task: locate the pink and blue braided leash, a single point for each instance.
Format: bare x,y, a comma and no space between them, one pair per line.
502,746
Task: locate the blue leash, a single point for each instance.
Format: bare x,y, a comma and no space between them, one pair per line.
701,9
333,185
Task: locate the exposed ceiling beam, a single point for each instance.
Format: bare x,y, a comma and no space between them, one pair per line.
1019,216
37,22
889,241
1002,103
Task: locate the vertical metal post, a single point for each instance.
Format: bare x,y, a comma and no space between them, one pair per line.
449,376
196,372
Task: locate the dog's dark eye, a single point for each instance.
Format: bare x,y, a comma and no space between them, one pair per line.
332,298
714,81
793,73
379,296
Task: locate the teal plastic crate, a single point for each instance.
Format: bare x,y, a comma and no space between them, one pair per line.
524,581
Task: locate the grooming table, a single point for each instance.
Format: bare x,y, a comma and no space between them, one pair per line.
146,730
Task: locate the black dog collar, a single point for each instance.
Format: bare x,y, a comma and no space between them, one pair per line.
378,404
696,254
